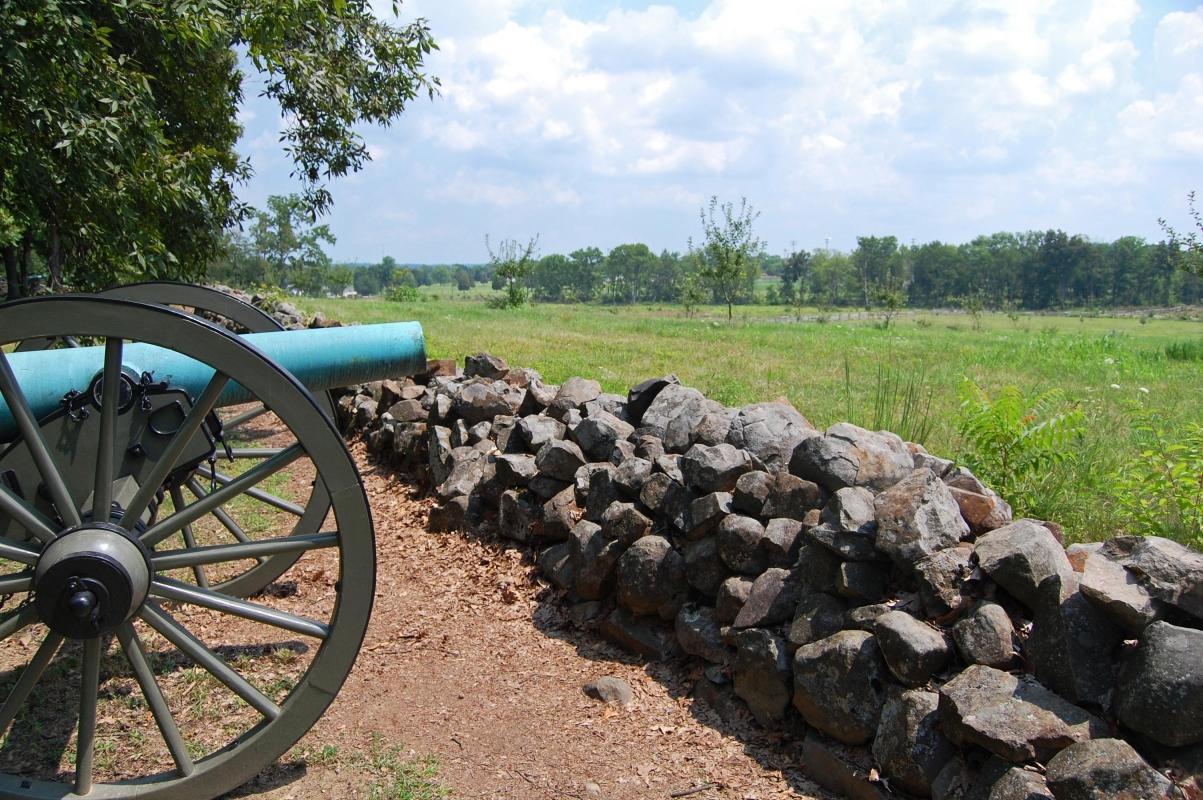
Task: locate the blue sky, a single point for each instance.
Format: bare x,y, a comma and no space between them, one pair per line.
600,123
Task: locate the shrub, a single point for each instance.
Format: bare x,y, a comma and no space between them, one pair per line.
1189,350
1160,491
403,293
1015,437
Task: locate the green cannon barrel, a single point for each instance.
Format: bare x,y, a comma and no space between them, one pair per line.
321,358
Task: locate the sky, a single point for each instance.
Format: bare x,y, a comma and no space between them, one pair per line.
593,123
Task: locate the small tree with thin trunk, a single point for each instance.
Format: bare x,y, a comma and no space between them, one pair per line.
727,258
512,263
1187,247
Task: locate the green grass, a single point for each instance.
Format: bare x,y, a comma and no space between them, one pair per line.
1108,363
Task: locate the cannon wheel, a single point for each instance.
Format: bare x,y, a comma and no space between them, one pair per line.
310,513
274,726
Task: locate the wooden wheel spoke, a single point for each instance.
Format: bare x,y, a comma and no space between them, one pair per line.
89,690
26,515
102,490
169,589
264,497
220,553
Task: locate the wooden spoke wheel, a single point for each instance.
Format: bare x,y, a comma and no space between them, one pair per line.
122,675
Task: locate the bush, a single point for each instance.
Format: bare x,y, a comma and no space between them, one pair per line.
1189,350
403,294
1160,492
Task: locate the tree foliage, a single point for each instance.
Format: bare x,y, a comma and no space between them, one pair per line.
512,263
118,122
1187,249
727,258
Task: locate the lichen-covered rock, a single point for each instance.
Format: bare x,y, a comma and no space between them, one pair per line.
1118,593
704,568
603,491
840,685
1013,717
847,455
705,513
818,570
1160,690
739,544
594,560
782,541
712,428
792,497
817,616
698,633
1071,643
762,675
573,394
850,510
560,514
1021,556
559,459
631,474
769,431
651,578
520,517
597,435
714,469
515,469
1018,784
862,581
773,599
751,490
848,546
917,517
986,636
538,429
1104,769
732,594
480,402
945,578
674,415
909,747
1169,571
913,651
624,522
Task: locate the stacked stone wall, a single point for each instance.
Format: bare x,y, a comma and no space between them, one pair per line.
849,587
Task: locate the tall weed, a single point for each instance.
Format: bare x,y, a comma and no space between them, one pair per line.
1160,491
902,403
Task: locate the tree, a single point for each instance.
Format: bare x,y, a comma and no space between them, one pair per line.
875,260
726,261
512,263
463,280
118,122
794,273
1187,249
628,267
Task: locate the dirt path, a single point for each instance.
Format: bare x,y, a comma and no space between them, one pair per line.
468,659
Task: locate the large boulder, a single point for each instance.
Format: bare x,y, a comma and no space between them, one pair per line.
769,431
714,469
1104,769
641,396
986,635
1071,644
762,676
913,651
1169,571
480,402
1020,557
559,459
651,578
847,455
674,415
597,435
917,517
1160,690
1118,592
909,747
573,394
840,685
1013,717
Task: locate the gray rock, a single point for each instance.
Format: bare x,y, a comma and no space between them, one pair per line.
408,411
480,402
621,452
582,614
944,579
1013,717
698,633
572,417
640,396
677,508
624,522
714,469
515,469
645,636
520,517
1020,784
1104,769
440,408
504,431
848,546
917,517
1119,594
438,444
706,513
522,377
537,430
546,487
651,578
452,515
654,489
670,465
792,497
560,514
1071,644
862,581
594,560
631,474
782,541
459,433
614,404
712,428
846,455
649,447
556,563
732,594
840,685
603,491
913,651
610,690
762,674
465,475
1170,572
818,570
484,365
1160,689
984,511
675,413
366,410
818,616
909,747
773,600
864,618
740,544
480,431
769,431
598,434
704,569
1021,556
751,490
986,636
559,459
850,510
572,395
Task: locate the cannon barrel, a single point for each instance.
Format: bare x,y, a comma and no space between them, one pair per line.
321,358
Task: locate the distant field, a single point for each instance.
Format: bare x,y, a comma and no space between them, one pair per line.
765,354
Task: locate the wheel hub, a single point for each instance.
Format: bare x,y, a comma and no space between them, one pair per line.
90,580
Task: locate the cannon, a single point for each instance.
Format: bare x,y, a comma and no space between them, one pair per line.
187,561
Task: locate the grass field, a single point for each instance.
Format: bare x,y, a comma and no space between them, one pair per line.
830,369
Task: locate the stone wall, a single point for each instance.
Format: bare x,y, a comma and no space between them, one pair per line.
847,586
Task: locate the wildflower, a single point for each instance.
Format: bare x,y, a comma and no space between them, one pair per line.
1108,360
1143,390
1115,386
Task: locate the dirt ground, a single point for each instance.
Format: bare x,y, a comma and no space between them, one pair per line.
469,659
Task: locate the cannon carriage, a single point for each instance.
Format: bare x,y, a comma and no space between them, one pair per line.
186,550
